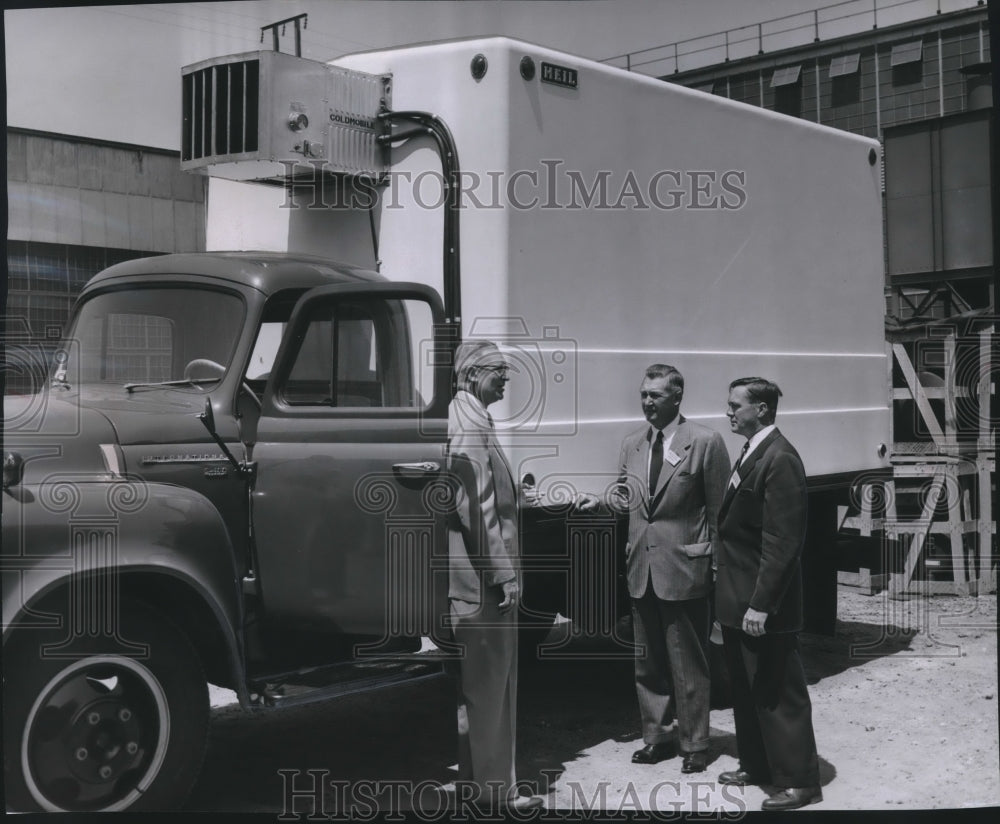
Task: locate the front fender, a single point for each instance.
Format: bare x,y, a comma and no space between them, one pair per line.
86,533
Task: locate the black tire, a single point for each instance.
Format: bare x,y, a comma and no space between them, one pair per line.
102,726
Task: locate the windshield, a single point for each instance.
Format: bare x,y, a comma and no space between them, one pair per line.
153,335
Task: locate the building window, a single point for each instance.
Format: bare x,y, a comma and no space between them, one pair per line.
844,64
905,53
906,61
787,90
845,79
44,281
787,76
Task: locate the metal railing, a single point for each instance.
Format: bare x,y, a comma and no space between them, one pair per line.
801,28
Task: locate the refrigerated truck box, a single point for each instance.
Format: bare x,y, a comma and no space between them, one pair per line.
611,220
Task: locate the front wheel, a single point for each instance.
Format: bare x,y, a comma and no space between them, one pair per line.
101,724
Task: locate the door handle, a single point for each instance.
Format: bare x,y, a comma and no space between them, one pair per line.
417,469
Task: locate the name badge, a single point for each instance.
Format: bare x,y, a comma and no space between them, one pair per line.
672,457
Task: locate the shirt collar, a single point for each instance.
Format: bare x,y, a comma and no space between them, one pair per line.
668,430
755,441
472,409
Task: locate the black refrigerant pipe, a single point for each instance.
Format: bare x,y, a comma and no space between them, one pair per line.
426,124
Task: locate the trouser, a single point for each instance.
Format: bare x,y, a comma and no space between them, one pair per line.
487,693
771,707
671,669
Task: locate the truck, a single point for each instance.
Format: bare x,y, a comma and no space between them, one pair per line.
237,474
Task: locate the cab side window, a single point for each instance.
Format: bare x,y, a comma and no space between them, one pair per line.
359,353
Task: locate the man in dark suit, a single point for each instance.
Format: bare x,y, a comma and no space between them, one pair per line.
483,582
758,601
672,476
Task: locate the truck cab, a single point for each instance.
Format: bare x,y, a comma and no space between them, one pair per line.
247,450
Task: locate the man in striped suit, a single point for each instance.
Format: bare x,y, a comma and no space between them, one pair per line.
483,581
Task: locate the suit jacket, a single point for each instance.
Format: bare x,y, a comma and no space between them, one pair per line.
671,535
762,528
482,532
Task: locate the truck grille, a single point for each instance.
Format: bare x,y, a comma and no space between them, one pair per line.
221,106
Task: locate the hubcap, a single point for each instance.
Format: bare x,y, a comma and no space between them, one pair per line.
96,736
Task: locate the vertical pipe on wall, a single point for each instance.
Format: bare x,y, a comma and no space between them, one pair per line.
878,99
818,120
940,75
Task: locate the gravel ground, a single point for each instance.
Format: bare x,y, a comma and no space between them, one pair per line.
904,707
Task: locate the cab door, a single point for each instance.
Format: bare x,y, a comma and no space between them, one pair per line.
351,496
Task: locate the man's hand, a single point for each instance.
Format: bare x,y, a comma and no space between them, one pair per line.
753,622
529,496
511,592
586,502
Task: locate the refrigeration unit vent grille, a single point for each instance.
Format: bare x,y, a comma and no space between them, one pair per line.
269,116
221,110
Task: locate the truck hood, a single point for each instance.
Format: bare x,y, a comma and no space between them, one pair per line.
78,422
149,414
50,431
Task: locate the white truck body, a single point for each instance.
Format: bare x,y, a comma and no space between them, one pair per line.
727,241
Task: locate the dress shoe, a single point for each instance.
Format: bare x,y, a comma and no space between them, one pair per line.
740,778
694,762
653,754
792,798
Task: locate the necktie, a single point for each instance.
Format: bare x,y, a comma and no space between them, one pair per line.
655,462
734,479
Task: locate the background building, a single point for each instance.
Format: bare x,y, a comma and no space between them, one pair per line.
924,88
75,207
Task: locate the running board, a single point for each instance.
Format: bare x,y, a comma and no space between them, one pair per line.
346,679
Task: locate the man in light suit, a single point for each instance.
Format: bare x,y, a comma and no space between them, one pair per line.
672,476
483,588
758,601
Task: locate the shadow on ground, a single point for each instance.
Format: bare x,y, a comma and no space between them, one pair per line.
855,644
258,762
